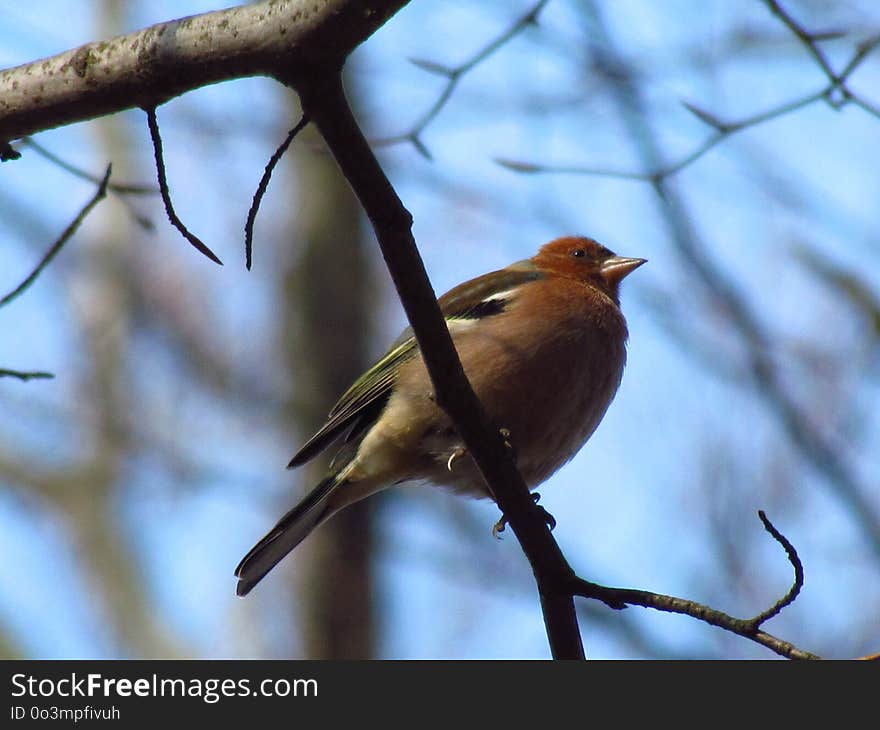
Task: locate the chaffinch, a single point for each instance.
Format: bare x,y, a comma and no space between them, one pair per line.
543,344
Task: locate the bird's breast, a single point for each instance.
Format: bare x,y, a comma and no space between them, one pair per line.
547,371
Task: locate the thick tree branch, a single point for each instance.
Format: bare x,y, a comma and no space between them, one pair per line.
153,65
161,175
324,101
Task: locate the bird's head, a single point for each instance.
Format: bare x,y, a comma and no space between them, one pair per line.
585,260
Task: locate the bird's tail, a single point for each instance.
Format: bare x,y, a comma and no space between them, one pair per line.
290,531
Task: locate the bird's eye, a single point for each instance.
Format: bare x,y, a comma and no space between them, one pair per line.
579,253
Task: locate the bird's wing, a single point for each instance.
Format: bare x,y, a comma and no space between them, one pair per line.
361,404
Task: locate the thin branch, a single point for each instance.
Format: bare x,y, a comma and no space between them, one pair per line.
838,93
118,188
863,49
156,138
866,106
671,604
795,561
25,375
261,189
122,191
454,76
807,38
748,628
723,129
68,232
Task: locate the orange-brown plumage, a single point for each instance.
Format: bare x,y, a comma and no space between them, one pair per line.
543,345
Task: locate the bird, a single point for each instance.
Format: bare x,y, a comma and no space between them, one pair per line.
543,344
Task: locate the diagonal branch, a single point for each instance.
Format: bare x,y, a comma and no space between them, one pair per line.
795,561
838,93
323,99
118,188
25,375
263,185
722,129
805,37
454,75
65,236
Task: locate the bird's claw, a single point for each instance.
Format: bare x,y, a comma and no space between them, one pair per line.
456,454
549,519
460,451
505,434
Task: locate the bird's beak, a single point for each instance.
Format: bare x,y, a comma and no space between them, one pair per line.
614,269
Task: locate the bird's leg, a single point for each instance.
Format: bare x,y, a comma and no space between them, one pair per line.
549,519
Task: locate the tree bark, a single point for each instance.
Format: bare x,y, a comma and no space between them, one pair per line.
150,66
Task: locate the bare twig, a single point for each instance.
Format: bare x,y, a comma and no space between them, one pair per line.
837,93
150,66
156,138
25,375
748,628
671,604
68,232
261,188
723,130
453,77
119,188
795,561
863,49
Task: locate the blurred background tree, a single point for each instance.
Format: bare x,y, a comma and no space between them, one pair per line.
715,139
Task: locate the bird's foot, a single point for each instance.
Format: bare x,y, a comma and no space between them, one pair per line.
500,526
